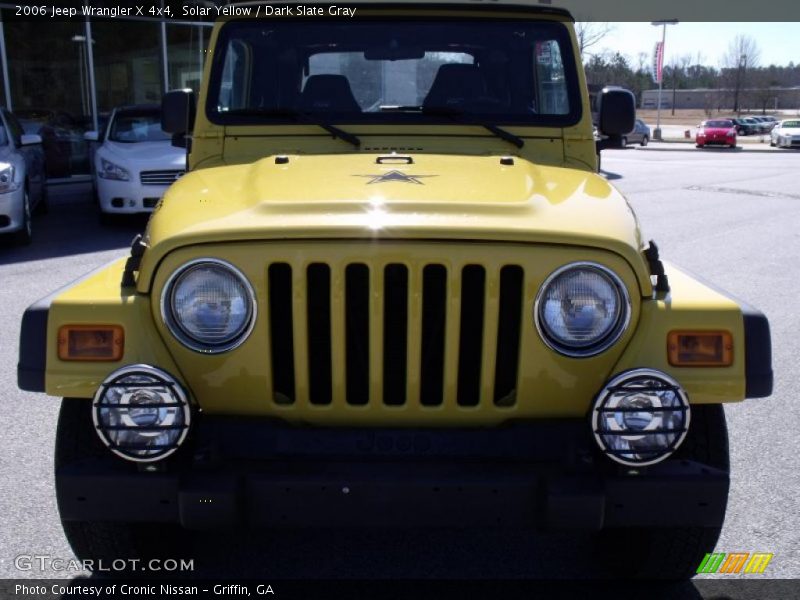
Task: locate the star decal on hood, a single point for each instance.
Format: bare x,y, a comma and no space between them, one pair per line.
398,176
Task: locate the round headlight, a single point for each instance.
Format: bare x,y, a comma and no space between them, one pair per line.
640,417
581,309
141,413
209,306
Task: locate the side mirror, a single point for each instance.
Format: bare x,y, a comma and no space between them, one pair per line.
617,108
91,136
178,109
30,139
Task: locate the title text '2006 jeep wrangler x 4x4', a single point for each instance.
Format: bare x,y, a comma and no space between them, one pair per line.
392,287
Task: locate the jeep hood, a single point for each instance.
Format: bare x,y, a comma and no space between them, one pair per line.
365,196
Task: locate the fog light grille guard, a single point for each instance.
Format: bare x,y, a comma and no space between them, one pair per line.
141,413
640,417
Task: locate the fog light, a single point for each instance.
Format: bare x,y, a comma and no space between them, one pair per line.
141,413
640,417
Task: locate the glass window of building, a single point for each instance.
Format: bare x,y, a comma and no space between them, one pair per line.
50,91
127,63
186,51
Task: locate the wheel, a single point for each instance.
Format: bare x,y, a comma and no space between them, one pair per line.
623,142
24,236
771,143
645,140
671,552
102,541
733,146
698,146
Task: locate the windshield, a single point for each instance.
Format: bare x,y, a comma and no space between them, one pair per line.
373,71
139,126
718,124
790,124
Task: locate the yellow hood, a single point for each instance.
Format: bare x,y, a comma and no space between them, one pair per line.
354,196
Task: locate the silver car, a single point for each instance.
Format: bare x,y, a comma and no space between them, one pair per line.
22,178
639,135
786,134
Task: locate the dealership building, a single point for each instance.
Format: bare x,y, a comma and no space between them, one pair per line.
63,77
755,99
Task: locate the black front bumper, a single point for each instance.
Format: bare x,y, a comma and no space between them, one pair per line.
252,472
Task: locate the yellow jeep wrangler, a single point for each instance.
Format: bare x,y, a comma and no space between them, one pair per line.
393,290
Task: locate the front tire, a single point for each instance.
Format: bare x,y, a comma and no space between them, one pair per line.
24,236
623,143
97,540
645,140
672,553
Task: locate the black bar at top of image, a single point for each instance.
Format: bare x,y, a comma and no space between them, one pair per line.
582,10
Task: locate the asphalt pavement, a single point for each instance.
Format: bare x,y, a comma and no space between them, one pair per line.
733,217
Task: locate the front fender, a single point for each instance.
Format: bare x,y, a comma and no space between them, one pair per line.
97,299
693,304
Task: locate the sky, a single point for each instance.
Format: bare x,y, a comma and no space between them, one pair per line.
779,43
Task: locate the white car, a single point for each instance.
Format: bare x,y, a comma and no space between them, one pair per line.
22,179
786,134
136,162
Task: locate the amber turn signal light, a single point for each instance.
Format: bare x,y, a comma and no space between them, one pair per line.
91,342
700,348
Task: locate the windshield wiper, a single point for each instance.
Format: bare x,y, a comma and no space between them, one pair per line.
455,113
290,113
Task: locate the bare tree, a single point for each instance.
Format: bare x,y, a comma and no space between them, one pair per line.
743,55
680,64
589,34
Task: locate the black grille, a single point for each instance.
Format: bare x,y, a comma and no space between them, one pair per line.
395,330
404,309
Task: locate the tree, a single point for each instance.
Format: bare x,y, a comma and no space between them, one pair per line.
589,34
742,56
765,80
679,66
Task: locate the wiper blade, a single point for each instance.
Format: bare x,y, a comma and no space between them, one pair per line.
290,113
455,113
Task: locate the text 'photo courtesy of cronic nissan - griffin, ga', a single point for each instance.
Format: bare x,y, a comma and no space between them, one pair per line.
391,288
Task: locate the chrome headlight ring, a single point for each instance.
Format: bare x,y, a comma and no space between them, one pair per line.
608,338
179,330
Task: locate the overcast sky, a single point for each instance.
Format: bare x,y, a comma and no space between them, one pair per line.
779,42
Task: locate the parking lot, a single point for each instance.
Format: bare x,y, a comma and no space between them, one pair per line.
731,216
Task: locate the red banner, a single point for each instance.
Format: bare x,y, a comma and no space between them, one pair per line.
658,61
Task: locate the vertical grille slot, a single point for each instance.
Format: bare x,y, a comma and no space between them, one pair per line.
434,297
508,335
395,330
318,305
281,332
473,289
357,332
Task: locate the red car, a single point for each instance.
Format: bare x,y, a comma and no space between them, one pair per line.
719,131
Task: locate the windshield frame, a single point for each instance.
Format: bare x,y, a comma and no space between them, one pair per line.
398,118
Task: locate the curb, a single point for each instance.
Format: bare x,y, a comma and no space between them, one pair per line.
684,147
